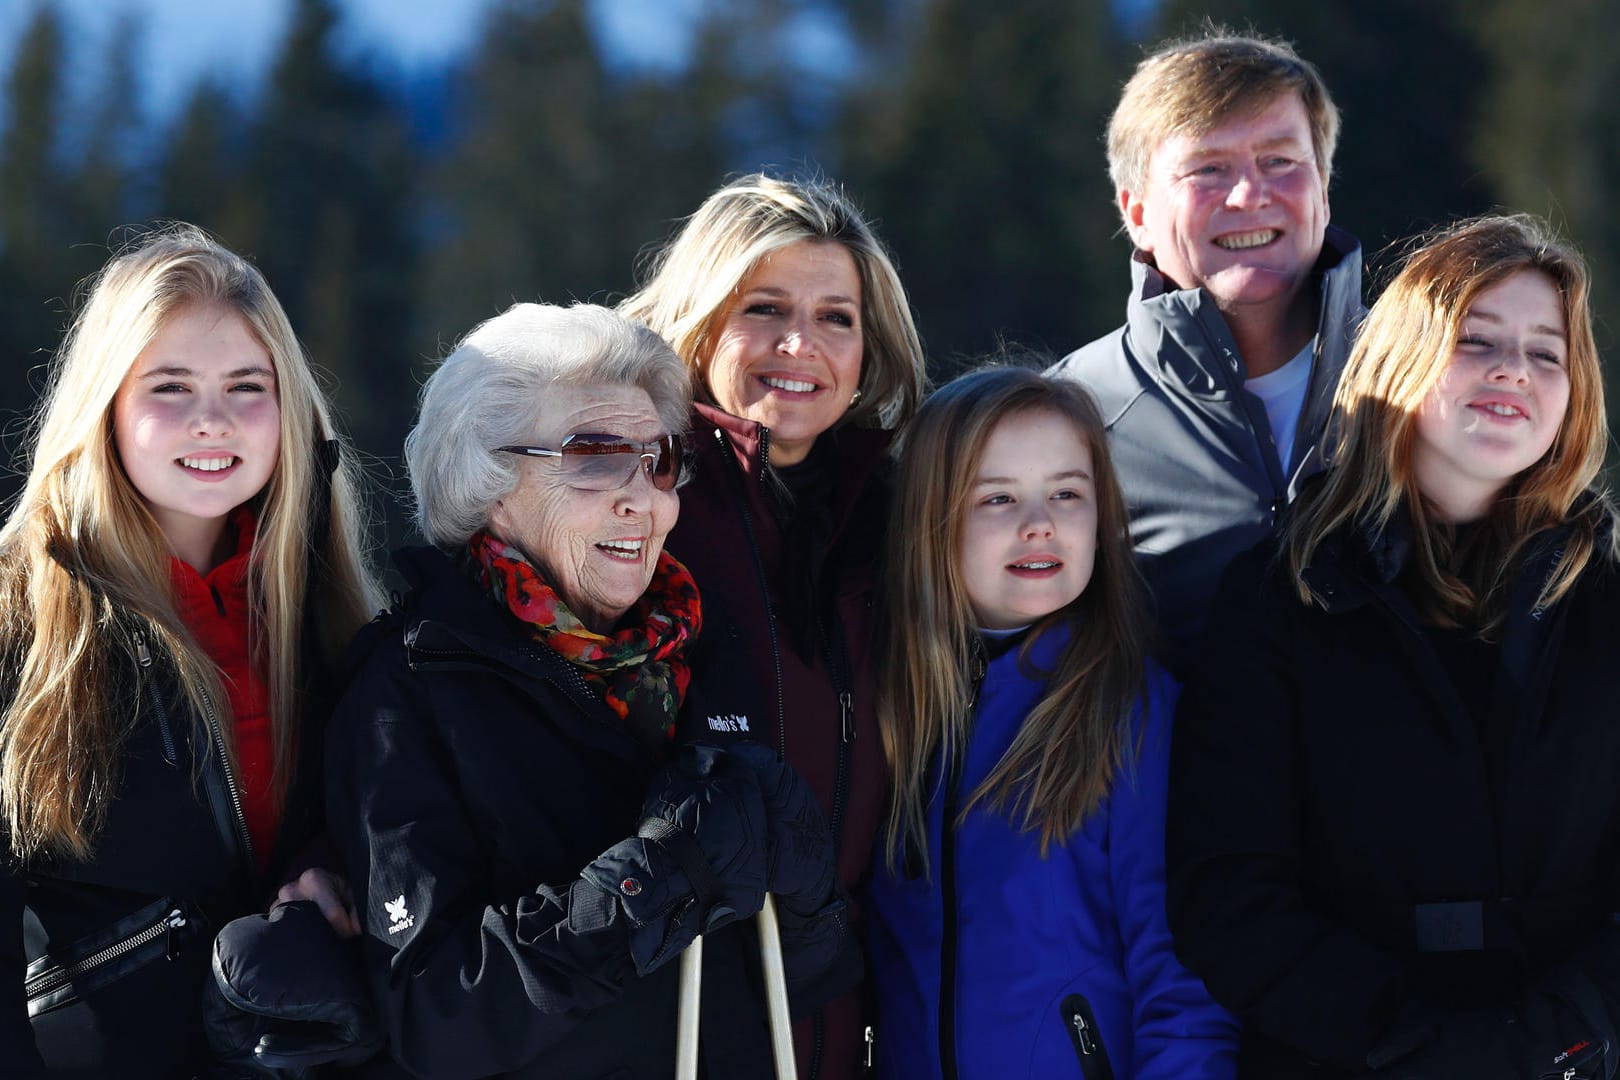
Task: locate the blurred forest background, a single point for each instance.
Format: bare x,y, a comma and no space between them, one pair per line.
391,216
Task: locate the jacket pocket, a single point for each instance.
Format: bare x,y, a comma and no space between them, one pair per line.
1582,1061
157,931
1087,1039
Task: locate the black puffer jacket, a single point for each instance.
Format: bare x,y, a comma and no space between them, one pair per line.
472,776
110,954
1367,873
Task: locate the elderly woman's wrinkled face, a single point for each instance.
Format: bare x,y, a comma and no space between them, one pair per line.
598,549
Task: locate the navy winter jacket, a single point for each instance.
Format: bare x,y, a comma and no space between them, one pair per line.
1000,963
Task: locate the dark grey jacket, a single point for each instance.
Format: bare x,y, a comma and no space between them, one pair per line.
1192,448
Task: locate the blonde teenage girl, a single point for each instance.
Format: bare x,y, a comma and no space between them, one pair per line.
179,571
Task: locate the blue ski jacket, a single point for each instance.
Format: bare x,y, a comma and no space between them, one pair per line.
999,963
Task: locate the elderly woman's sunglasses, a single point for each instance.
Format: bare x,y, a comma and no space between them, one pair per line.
608,462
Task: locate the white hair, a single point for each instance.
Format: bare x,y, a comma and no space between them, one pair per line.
486,394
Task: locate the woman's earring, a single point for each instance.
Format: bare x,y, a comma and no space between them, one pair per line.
855,399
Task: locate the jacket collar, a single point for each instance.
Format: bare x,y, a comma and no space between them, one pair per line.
1362,560
195,599
750,441
1182,337
856,453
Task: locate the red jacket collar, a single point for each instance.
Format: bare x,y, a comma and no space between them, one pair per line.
858,448
193,590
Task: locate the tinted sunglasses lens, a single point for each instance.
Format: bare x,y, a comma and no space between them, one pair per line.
666,468
594,462
605,465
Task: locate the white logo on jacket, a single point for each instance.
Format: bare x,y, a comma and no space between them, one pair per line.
399,919
731,722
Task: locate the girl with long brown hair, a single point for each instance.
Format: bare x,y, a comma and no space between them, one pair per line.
1017,923
1394,824
177,577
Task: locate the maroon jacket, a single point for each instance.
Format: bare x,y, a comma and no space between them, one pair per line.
730,538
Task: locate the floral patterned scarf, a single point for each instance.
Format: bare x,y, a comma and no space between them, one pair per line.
640,670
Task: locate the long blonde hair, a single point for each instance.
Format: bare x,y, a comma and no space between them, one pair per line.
84,567
1069,748
689,281
1399,356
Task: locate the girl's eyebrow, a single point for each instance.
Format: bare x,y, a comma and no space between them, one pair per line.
1486,315
1067,474
185,372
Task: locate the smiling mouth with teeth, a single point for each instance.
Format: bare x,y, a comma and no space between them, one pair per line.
1502,410
797,386
624,549
209,464
1042,565
1243,241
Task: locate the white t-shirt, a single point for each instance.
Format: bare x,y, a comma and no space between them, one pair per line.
1282,392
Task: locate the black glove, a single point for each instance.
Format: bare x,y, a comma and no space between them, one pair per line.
697,861
288,994
801,863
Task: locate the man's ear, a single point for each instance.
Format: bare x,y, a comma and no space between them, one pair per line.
1132,208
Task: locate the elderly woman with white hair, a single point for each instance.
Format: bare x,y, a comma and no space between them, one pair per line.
528,847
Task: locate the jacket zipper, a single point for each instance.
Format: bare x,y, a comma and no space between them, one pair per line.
143,657
575,679
238,818
838,668
574,688
1088,1045
947,943
54,978
947,885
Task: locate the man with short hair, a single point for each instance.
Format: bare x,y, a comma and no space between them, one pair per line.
1243,302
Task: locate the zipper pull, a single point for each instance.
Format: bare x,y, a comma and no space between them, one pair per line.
869,1041
143,657
176,920
846,715
1082,1032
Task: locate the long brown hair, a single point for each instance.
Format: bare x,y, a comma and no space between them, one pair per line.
1399,356
1069,748
84,566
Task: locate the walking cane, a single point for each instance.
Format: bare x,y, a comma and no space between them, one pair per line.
776,1000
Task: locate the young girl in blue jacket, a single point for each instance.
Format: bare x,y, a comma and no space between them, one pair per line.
1017,906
